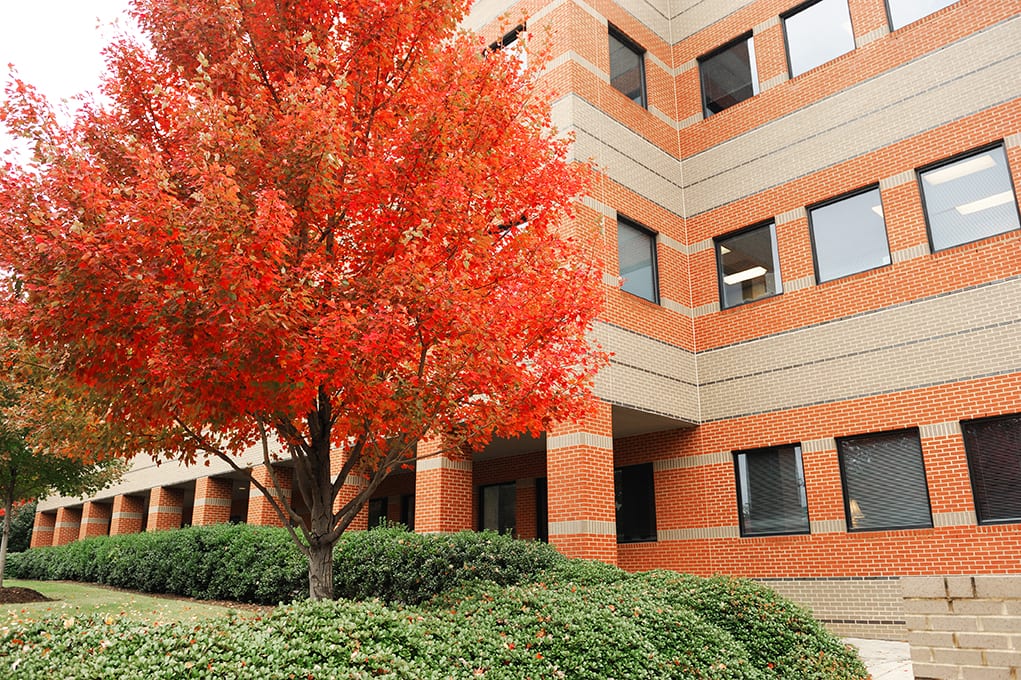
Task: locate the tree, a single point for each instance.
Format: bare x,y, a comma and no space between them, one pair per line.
329,228
28,472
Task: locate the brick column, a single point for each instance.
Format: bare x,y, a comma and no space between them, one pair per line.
770,54
868,17
42,529
444,501
69,521
260,512
128,513
212,500
524,509
579,465
95,520
165,508
351,487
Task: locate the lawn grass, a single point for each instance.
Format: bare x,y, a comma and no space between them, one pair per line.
74,599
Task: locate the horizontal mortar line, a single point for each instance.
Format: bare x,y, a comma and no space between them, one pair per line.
873,622
606,170
791,579
631,331
867,313
642,409
599,111
848,355
861,83
909,388
655,373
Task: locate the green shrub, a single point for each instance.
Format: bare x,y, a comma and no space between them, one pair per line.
622,629
396,565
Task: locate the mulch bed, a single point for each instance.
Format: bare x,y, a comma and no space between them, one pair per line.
21,596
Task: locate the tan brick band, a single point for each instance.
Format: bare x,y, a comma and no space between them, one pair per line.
948,429
872,36
828,526
127,515
955,519
220,502
905,254
685,462
698,533
818,445
440,462
566,441
582,526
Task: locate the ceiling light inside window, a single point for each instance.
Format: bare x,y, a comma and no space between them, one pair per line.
984,203
961,169
746,275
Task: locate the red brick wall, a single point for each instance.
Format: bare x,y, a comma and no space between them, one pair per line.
42,529
212,500
129,514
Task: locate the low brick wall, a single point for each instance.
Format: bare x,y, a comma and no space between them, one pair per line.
852,606
964,627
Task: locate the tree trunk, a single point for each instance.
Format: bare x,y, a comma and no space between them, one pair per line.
8,509
320,571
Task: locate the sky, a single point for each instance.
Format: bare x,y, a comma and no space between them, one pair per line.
56,44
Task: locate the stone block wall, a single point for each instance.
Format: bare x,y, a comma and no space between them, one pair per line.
964,627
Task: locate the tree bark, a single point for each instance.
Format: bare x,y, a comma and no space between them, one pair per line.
8,509
320,571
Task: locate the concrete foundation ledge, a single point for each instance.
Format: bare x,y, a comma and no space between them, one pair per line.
964,627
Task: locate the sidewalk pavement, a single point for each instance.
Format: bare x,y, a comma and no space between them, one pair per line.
886,660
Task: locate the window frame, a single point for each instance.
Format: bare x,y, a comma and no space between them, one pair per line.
621,37
481,507
787,41
837,199
950,160
651,505
846,494
971,470
753,67
719,264
740,498
654,251
889,15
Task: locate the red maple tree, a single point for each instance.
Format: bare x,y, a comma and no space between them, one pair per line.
329,227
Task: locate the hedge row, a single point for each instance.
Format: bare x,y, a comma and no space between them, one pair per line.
571,623
262,565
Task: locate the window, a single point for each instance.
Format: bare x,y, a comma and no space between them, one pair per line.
728,76
627,67
816,33
748,265
969,198
514,43
849,235
994,459
904,12
771,491
635,499
636,251
377,511
884,481
498,507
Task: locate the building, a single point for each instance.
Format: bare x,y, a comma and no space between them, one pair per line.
816,381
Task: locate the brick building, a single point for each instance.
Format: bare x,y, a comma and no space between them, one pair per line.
808,214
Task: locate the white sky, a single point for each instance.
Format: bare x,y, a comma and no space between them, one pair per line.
55,44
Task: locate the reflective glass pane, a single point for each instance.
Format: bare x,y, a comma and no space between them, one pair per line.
728,77
849,236
748,266
635,501
636,249
818,33
771,491
904,12
885,482
969,199
626,70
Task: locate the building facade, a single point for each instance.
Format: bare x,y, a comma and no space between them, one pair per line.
809,220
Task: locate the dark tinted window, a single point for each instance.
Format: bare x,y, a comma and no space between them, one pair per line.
969,198
994,458
636,250
635,499
408,511
904,12
627,67
884,481
498,507
817,33
748,266
728,76
771,491
377,511
849,235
